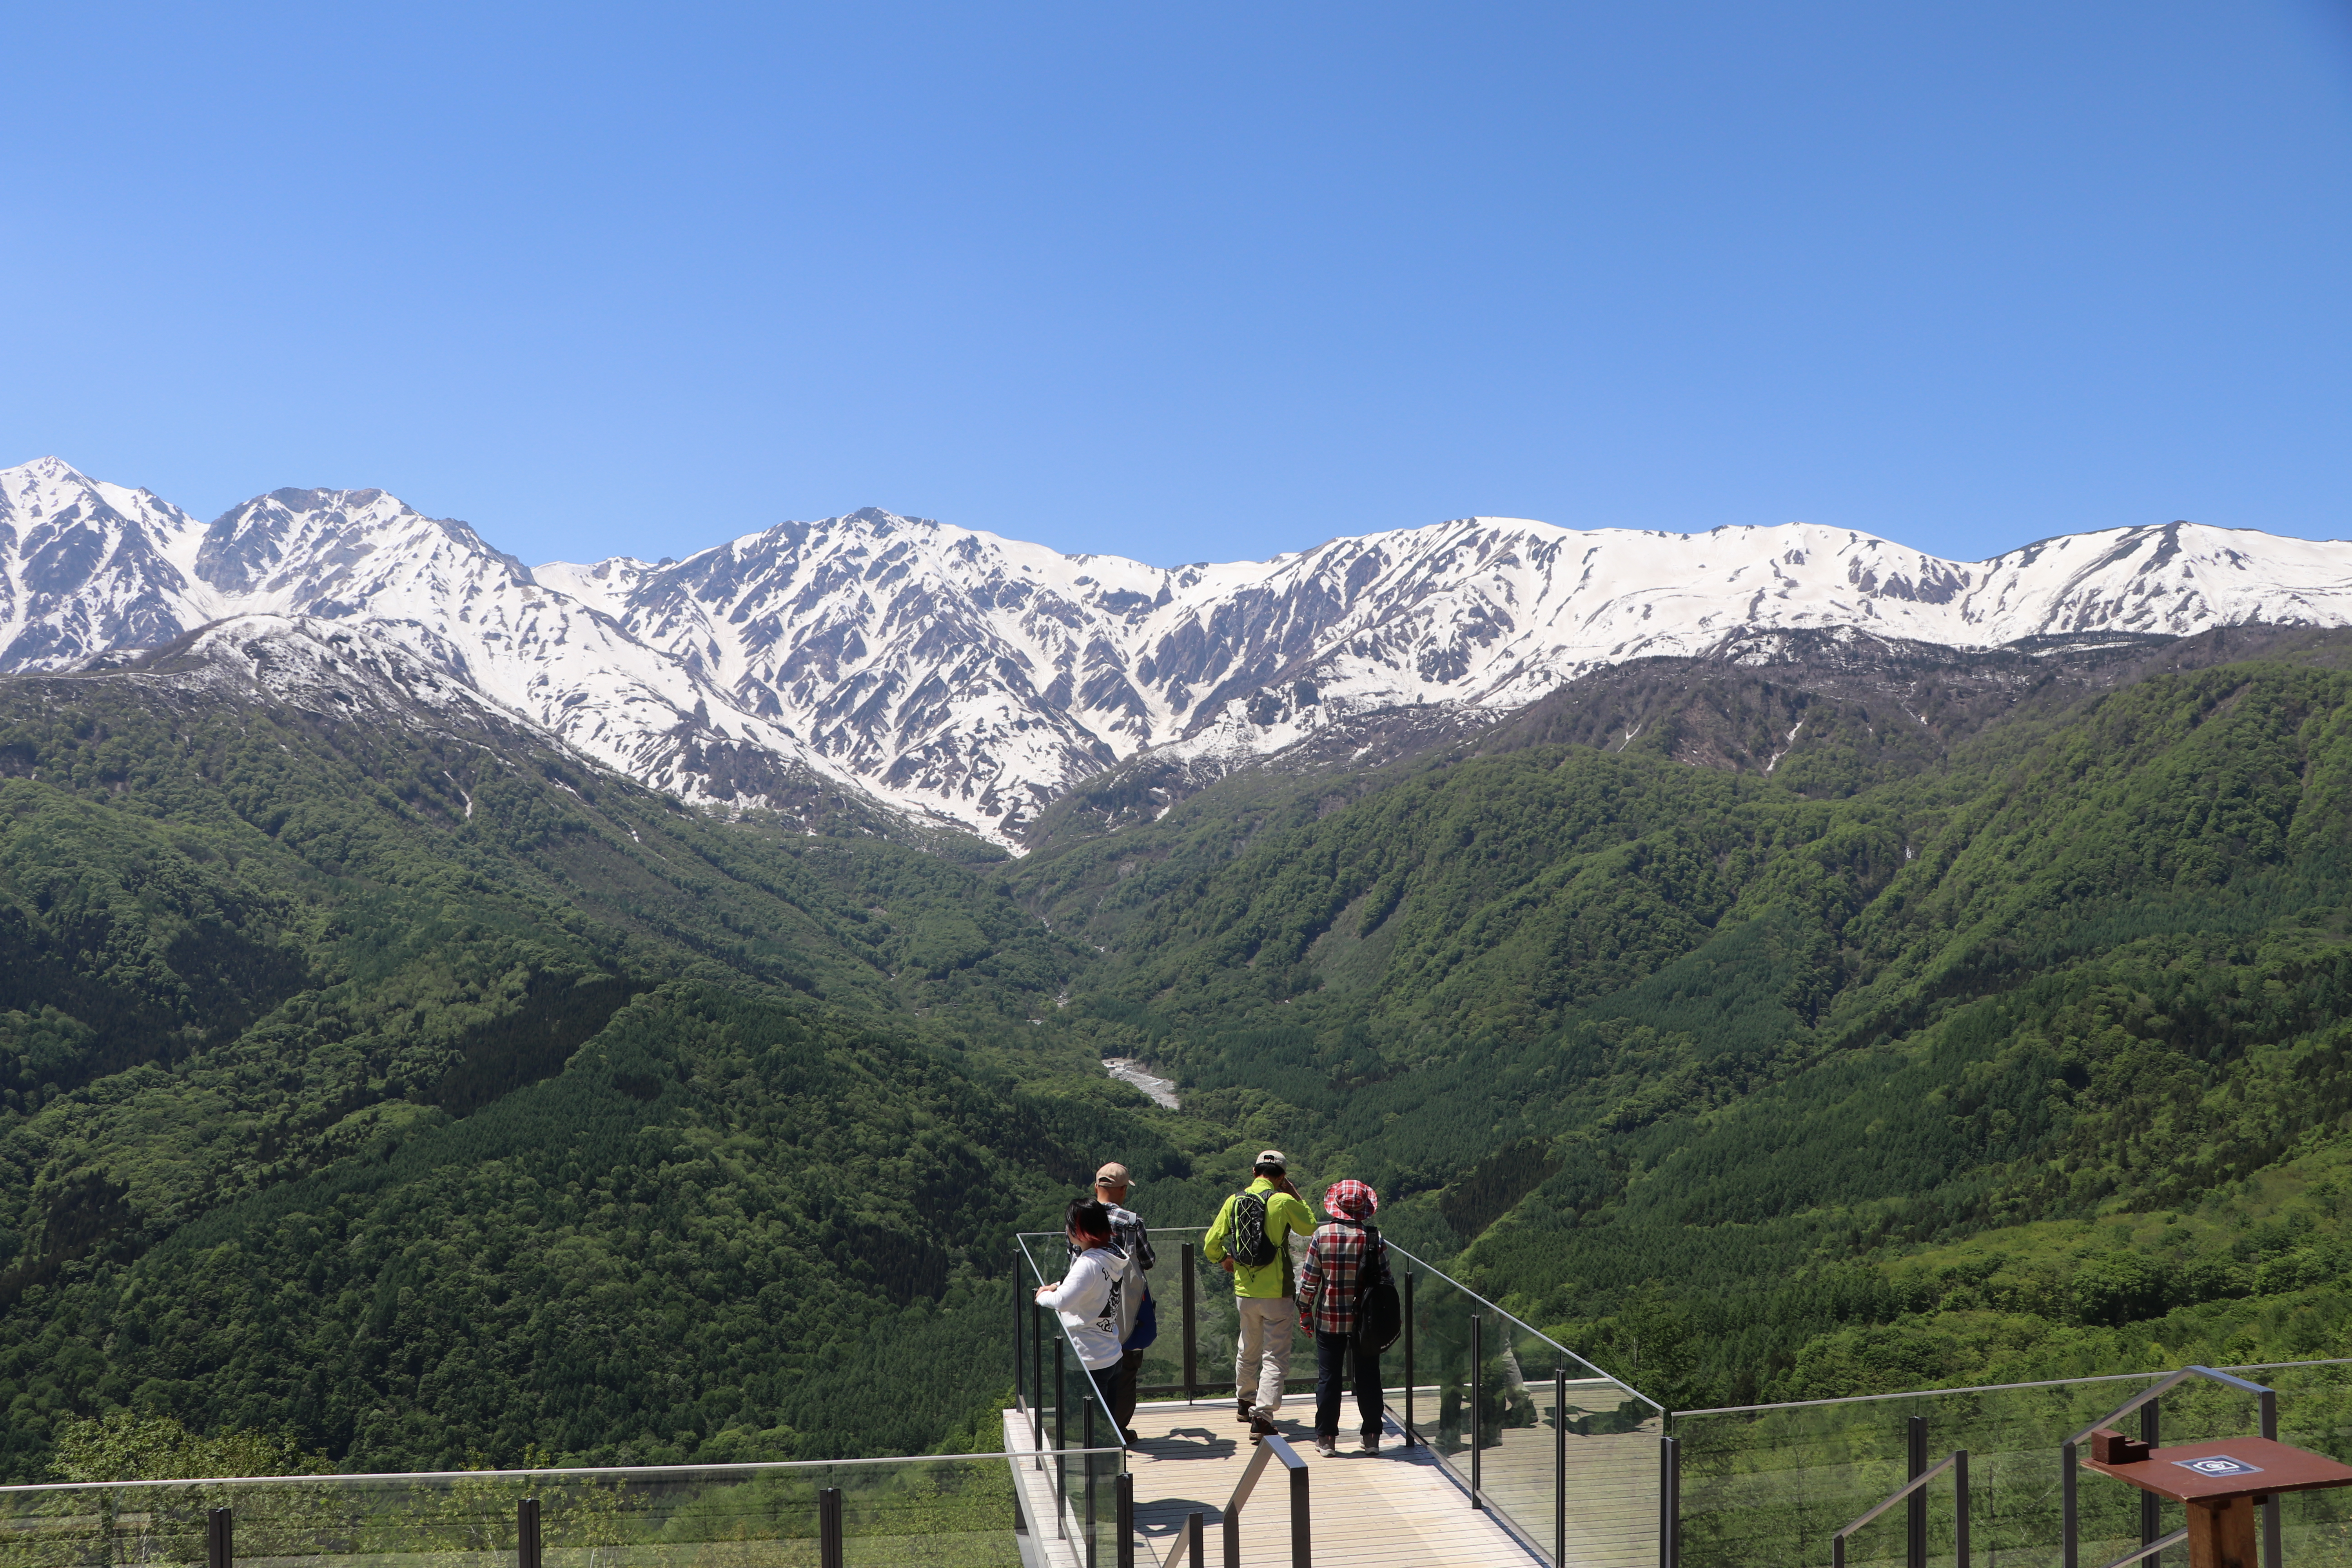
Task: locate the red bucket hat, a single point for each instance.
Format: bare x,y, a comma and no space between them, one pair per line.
1352,1199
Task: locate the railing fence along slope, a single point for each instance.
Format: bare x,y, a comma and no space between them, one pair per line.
2070,1470
1914,1491
938,1509
1081,1509
1770,1482
1572,1461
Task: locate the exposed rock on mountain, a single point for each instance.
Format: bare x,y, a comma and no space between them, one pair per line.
960,676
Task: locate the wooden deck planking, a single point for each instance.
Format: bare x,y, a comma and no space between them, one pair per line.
1396,1507
1375,1511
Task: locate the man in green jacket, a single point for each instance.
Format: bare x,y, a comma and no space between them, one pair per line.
1262,1290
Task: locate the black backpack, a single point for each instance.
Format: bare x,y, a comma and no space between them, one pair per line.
1380,1316
1251,1246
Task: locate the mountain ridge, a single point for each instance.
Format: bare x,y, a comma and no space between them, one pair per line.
959,677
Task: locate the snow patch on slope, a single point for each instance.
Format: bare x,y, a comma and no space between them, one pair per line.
956,674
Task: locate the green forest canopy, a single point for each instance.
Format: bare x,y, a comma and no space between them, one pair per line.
416,1096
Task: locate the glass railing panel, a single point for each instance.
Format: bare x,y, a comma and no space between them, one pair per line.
1215,1324
1567,1457
941,1512
1518,1471
1070,1404
1774,1483
1530,1425
2314,1411
944,1513
1441,1391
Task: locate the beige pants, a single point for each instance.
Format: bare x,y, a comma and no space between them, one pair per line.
1263,1357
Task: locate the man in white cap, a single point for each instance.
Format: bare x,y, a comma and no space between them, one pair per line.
1251,1238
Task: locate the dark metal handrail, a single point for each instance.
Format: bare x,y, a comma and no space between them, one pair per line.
1957,1461
2150,1550
1301,1549
2070,1461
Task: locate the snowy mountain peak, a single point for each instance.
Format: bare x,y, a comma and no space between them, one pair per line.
957,673
86,565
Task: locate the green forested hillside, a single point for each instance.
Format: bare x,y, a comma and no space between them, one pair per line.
1686,1057
424,1095
413,1093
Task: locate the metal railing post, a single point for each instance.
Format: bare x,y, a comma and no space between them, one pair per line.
1670,1502
1914,1511
1037,1365
527,1552
1192,1342
828,1528
1089,1428
1061,1443
1232,1529
1020,1372
2066,1521
2271,1548
1559,1467
1961,1524
1408,1356
1477,1393
2151,1518
1196,1540
1302,1550
1122,1491
220,1543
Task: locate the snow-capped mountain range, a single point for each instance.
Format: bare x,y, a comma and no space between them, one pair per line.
957,675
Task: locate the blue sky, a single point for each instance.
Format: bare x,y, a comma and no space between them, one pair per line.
1193,282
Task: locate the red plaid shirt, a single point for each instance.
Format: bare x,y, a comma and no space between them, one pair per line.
1335,1261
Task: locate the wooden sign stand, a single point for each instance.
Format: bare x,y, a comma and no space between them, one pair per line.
2220,1483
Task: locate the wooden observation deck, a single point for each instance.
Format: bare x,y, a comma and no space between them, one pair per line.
1397,1508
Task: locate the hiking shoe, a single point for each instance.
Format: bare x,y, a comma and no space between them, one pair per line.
1127,1436
1249,1408
1327,1444
1372,1441
1261,1429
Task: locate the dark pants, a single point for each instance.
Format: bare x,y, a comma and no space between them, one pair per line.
1130,1374
1363,1366
1107,1383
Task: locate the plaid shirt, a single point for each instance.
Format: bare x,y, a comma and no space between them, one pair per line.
1335,1261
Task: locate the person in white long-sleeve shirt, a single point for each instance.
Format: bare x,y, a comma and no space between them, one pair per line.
1087,1297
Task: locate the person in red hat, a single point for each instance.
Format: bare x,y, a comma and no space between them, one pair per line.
1344,1255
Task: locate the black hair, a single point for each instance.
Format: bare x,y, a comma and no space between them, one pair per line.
1089,1218
1268,1168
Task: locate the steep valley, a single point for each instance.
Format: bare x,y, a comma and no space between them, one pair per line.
1808,1012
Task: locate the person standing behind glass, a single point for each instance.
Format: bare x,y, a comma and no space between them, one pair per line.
1088,1298
1134,1238
1344,1254
1274,1213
